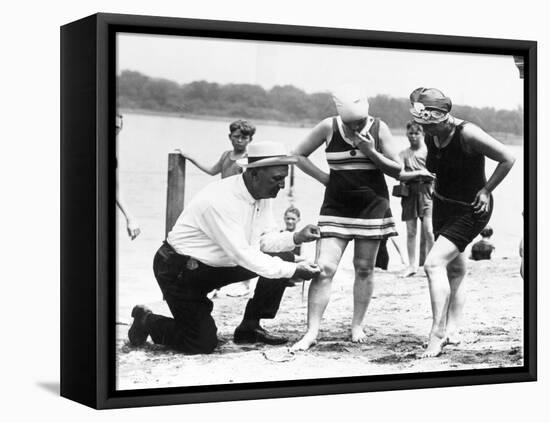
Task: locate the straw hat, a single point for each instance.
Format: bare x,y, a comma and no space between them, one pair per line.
266,153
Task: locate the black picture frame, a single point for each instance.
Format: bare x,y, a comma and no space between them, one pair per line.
88,213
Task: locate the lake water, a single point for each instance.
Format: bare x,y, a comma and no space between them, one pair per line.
142,151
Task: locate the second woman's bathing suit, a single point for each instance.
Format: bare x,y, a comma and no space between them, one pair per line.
460,175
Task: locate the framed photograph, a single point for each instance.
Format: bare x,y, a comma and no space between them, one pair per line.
228,225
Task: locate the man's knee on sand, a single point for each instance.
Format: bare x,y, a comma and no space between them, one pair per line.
200,342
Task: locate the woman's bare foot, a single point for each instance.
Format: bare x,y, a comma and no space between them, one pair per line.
409,271
307,341
435,345
358,335
453,338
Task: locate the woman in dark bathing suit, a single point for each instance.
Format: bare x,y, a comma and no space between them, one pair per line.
462,204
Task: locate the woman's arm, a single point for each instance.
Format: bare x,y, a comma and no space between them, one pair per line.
412,175
483,143
211,170
387,161
307,166
314,140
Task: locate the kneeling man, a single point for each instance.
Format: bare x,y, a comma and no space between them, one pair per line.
223,237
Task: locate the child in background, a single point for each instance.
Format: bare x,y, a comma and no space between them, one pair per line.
483,249
291,219
417,204
240,135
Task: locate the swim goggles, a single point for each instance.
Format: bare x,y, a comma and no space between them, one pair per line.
423,115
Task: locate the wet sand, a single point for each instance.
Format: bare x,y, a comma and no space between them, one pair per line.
397,324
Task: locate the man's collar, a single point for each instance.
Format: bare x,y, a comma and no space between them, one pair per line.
243,190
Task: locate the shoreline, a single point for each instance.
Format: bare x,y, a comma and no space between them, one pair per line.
504,137
216,118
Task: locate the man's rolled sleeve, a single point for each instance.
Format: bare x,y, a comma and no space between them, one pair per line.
276,242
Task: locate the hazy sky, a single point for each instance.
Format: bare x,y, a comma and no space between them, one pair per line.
469,79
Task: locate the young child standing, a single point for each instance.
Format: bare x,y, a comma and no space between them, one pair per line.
240,135
417,205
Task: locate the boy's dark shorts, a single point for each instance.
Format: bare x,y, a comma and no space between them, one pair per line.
458,223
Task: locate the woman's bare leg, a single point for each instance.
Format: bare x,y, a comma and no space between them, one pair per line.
442,253
456,270
363,262
329,253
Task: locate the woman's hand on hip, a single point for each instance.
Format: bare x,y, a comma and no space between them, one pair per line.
481,202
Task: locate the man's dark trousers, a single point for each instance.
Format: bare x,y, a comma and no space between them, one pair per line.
185,283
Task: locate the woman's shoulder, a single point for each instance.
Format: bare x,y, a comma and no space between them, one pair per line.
327,126
328,123
469,130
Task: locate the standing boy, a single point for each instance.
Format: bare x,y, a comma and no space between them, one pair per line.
417,205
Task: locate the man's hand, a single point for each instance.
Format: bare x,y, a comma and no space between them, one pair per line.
306,234
306,270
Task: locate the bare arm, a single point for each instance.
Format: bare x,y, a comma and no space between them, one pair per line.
132,226
387,161
211,170
483,143
314,140
411,175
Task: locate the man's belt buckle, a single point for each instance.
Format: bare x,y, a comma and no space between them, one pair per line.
192,264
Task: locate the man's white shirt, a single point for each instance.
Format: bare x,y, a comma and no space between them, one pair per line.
225,226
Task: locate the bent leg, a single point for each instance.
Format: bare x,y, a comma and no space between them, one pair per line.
329,253
442,253
363,262
267,295
192,330
456,270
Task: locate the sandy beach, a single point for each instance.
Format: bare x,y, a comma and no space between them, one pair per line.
397,324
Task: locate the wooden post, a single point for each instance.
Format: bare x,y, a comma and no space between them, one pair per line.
175,189
291,186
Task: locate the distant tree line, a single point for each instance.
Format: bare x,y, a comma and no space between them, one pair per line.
281,103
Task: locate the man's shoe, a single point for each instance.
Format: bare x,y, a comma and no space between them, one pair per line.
258,334
138,333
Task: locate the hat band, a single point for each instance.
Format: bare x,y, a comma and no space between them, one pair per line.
257,158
